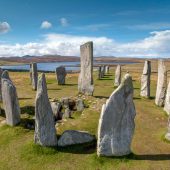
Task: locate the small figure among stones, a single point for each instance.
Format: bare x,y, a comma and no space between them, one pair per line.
145,80
161,84
45,132
61,74
117,76
10,100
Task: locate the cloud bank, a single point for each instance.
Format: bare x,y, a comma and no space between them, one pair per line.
157,44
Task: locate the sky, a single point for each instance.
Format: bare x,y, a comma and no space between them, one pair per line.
123,28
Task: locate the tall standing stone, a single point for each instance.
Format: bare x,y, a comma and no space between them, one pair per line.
10,100
161,84
85,83
99,72
34,73
167,136
45,132
116,123
61,74
167,100
103,71
117,76
30,73
0,84
106,69
145,80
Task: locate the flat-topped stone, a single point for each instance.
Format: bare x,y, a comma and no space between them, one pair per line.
61,74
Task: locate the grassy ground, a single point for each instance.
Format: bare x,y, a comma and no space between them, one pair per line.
150,151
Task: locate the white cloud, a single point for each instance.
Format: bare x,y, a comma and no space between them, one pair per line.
157,44
46,25
64,22
93,27
4,27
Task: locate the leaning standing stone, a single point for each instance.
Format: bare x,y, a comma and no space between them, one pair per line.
117,76
61,74
145,80
85,83
116,123
10,100
161,84
167,136
167,100
45,132
34,74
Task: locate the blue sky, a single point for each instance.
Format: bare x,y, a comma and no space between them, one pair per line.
116,26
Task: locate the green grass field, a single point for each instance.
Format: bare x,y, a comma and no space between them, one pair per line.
150,150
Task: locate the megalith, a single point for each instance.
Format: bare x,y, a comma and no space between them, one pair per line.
45,132
99,72
0,84
34,74
10,100
117,76
167,100
61,74
85,82
116,123
145,80
161,84
167,136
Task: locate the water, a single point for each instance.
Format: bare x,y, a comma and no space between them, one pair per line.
70,66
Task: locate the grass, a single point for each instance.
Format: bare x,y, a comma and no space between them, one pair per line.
150,150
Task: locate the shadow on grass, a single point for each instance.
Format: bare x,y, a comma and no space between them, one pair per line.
106,78
100,97
51,89
28,109
24,98
136,98
69,84
27,123
149,157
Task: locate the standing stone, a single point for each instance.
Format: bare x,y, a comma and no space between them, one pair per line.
116,123
106,69
1,71
145,80
161,84
30,73
100,72
61,74
117,76
80,105
10,100
34,73
167,100
167,136
57,110
85,83
45,132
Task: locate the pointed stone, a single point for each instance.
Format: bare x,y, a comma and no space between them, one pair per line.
85,82
45,132
117,76
167,136
10,100
116,123
167,100
161,84
61,74
34,74
145,80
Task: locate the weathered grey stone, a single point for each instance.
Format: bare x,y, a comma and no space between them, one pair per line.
80,105
61,74
116,123
0,84
161,84
30,73
167,100
117,76
85,82
145,80
45,132
34,74
100,72
57,110
67,113
167,136
10,100
72,137
106,69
